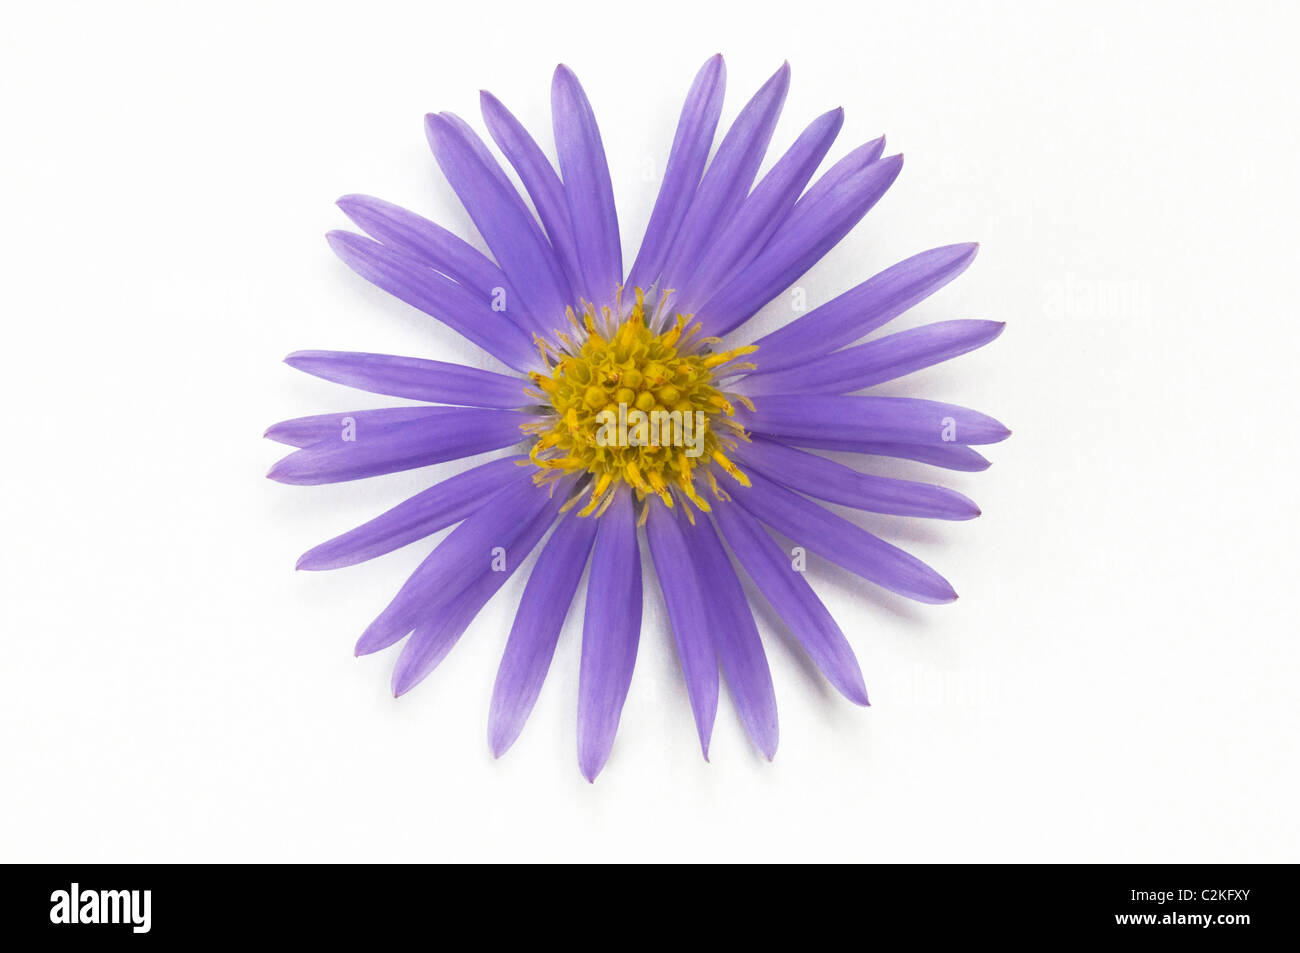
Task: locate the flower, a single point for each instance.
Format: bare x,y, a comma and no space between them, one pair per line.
630,414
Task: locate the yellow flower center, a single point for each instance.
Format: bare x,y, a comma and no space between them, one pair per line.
638,407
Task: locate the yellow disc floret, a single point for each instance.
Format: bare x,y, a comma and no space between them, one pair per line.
632,406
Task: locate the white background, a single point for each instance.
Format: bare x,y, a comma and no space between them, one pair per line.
1118,680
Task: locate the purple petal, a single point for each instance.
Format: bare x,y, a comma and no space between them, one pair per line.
499,214
821,218
810,525
440,249
587,187
878,361
422,515
836,483
729,176
610,633
443,433
413,378
950,456
739,649
531,645
681,589
304,431
861,310
793,600
884,419
438,632
433,639
409,279
541,182
843,174
456,561
762,212
690,150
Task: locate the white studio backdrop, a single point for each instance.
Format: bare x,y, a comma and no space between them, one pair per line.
1117,681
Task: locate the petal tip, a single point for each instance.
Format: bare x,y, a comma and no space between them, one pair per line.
435,126
963,507
367,644
341,241
501,733
591,763
311,561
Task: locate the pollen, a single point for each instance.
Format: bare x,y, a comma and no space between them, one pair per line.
636,402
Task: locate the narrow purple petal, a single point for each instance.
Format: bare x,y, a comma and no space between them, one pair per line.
793,600
540,181
434,638
686,614
610,633
411,280
950,456
836,483
440,249
304,431
819,530
862,309
821,218
729,176
455,562
414,378
739,649
686,158
531,645
762,212
878,361
883,419
843,174
499,214
425,513
587,187
437,633
444,433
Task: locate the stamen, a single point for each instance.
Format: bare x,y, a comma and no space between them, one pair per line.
715,360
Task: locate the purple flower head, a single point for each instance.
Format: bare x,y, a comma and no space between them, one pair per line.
621,412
